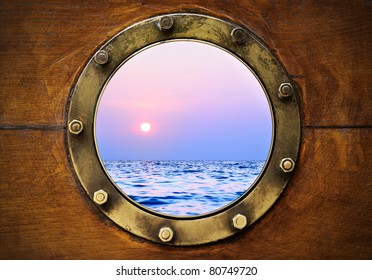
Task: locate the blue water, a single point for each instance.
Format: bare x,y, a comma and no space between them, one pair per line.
184,188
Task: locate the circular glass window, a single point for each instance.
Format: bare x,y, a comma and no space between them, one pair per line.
183,128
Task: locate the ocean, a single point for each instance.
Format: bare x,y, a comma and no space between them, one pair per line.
184,187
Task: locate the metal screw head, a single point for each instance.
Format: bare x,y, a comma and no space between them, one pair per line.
287,165
100,197
240,221
75,127
238,35
285,90
101,57
166,234
166,23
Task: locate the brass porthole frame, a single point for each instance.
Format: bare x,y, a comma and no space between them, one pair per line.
282,94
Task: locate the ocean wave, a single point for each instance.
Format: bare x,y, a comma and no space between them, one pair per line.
179,188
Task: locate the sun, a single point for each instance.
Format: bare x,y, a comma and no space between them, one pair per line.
145,127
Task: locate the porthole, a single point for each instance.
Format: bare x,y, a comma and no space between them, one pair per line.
184,129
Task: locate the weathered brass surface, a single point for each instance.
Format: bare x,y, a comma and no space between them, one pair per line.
201,229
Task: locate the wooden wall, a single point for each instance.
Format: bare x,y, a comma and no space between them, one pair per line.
324,213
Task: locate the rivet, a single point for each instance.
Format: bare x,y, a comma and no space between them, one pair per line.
287,165
285,90
166,23
240,221
100,197
238,35
165,234
101,57
75,127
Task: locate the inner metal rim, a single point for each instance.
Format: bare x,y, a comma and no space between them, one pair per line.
218,210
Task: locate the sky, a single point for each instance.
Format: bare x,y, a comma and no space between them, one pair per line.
202,104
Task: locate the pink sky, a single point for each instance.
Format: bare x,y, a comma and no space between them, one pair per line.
202,103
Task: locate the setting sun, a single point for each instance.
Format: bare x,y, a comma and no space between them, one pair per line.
145,127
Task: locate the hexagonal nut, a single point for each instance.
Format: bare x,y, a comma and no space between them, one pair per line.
166,23
166,234
100,197
238,35
101,57
287,165
285,90
240,221
75,127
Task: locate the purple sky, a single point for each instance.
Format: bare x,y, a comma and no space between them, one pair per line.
202,104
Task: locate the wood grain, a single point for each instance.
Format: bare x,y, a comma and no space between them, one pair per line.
326,48
323,214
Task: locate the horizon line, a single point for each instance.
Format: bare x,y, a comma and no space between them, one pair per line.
182,159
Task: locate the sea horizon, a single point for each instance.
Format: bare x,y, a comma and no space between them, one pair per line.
183,159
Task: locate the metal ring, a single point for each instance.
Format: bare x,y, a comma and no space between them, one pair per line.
207,228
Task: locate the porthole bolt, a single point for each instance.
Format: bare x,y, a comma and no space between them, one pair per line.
100,197
285,90
287,165
166,23
166,234
240,221
75,127
238,35
101,57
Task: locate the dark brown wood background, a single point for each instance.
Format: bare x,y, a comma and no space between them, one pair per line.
324,213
